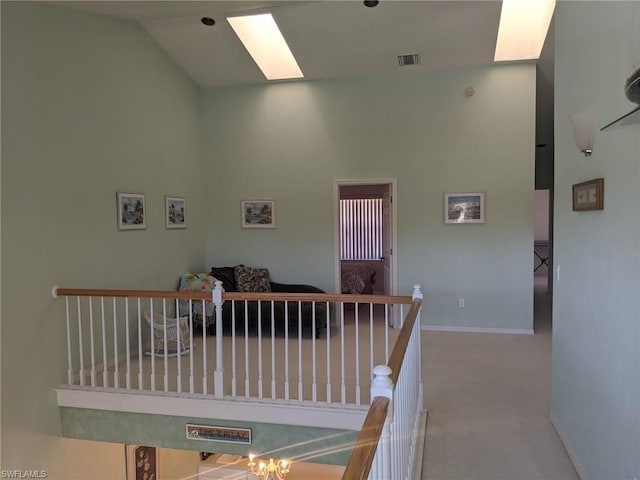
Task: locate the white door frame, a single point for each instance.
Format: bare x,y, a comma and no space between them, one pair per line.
392,182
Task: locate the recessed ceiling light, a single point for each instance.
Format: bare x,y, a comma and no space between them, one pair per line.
263,40
208,21
523,29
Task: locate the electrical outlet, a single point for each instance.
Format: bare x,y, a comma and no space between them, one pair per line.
461,303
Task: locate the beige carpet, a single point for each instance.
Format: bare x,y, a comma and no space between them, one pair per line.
488,398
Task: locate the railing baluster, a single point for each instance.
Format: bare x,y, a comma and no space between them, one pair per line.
192,387
140,365
218,379
166,344
357,351
246,349
179,327
386,333
80,345
343,386
205,371
300,392
328,332
259,349
128,343
92,344
273,352
154,349
69,357
314,386
234,380
105,377
286,351
371,339
116,369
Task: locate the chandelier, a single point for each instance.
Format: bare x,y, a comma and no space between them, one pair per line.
269,471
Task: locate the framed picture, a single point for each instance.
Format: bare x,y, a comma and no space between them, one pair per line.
464,208
175,212
142,462
131,211
588,195
258,214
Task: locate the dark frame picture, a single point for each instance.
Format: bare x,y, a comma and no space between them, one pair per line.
588,195
142,462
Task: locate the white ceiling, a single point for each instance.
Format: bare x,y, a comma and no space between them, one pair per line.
330,39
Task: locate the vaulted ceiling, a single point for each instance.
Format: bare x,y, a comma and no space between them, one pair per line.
329,38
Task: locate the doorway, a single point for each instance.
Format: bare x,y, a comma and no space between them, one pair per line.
542,261
376,266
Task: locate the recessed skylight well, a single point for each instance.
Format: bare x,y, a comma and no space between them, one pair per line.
523,29
263,40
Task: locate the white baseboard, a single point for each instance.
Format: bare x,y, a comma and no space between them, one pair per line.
567,446
517,331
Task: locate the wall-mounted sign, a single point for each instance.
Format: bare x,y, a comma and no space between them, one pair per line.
212,433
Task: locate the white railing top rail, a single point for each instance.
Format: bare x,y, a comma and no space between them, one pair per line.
251,296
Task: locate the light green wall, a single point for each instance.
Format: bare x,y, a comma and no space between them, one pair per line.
90,106
318,445
596,331
290,141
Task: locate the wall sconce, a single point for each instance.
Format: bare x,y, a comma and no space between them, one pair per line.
584,130
269,471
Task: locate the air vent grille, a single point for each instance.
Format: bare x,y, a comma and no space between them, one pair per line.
405,60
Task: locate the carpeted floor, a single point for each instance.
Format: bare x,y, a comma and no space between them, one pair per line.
489,398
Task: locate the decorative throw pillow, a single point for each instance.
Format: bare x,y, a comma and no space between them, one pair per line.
227,276
198,282
249,279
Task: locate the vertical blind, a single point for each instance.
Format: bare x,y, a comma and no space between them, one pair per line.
361,229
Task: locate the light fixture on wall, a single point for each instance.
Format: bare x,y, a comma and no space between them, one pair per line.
269,471
584,130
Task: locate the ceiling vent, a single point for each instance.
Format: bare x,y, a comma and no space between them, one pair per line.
405,60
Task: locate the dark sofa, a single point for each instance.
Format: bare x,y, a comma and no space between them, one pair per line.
228,276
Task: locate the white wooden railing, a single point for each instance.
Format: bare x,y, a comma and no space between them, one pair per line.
388,441
110,346
348,363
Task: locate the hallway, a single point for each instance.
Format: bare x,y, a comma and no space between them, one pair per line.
489,399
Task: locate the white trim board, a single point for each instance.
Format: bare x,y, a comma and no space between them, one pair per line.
516,331
284,413
567,446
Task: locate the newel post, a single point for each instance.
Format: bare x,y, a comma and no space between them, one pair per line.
382,386
218,375
417,292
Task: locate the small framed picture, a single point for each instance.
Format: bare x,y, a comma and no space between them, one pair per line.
142,462
258,214
131,211
462,208
175,212
588,195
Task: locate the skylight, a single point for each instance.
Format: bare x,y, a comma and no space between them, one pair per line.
263,40
523,29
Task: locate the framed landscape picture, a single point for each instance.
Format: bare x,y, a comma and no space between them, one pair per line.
258,214
175,212
462,208
131,211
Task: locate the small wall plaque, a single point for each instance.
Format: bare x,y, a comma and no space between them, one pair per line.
211,433
588,195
